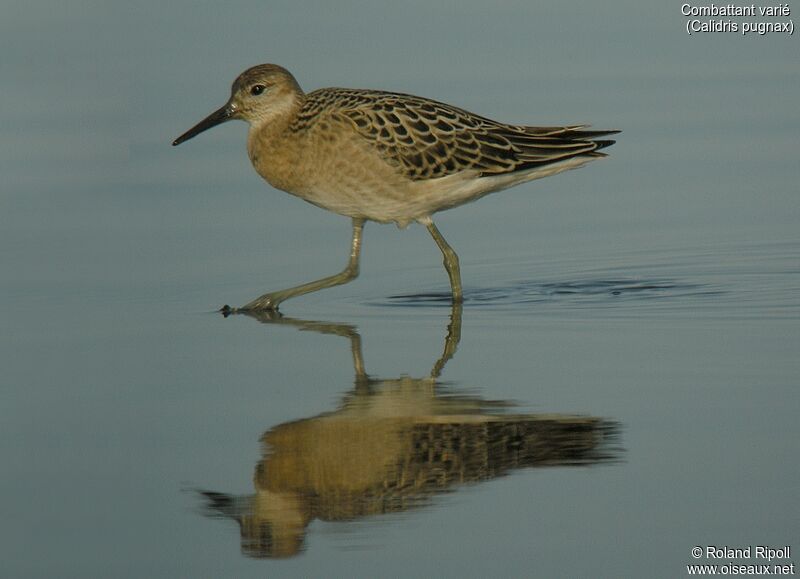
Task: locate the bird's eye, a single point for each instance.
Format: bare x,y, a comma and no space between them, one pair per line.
257,89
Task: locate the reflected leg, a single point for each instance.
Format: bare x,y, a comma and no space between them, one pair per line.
452,339
270,301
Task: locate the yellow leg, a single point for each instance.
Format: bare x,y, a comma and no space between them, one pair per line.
450,261
270,301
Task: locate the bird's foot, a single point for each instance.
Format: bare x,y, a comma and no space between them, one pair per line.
266,303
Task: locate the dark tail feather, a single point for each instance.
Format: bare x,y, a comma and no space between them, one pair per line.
603,144
591,135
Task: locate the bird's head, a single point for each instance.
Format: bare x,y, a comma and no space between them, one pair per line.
259,95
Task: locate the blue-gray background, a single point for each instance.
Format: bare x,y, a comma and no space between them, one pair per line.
121,389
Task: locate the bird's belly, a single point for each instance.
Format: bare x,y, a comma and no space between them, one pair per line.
386,197
369,189
341,176
369,199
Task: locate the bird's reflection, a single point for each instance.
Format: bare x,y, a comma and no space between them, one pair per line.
391,446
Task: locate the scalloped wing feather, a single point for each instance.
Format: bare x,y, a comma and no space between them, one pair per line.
426,139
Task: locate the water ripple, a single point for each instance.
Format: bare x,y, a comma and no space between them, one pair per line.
574,291
726,282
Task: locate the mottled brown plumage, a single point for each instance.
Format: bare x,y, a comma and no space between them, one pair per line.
386,157
426,139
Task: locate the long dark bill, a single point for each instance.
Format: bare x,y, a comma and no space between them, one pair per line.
217,117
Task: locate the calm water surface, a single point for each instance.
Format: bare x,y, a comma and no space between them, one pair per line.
620,385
